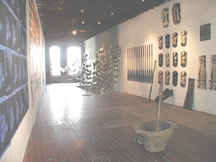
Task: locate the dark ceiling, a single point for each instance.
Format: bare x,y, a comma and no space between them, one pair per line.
89,17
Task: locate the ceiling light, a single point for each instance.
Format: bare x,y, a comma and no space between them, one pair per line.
143,0
82,10
74,32
83,22
98,22
112,13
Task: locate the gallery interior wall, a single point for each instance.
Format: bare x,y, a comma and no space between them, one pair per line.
15,150
146,28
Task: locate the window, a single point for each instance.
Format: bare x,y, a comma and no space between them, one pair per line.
74,59
54,55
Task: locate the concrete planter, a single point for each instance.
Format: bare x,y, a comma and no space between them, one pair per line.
152,140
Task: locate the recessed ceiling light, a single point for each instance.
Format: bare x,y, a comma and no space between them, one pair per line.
98,22
74,32
112,13
83,22
82,10
143,0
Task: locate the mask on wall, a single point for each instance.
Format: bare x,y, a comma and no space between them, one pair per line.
183,59
160,42
165,17
176,13
175,59
183,79
160,77
201,82
212,81
175,39
167,59
184,38
167,41
160,58
175,78
167,77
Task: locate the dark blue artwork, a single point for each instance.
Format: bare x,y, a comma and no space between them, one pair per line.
14,99
4,127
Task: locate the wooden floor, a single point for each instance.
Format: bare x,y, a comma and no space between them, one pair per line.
74,127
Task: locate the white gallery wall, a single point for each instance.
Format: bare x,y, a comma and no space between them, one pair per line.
147,27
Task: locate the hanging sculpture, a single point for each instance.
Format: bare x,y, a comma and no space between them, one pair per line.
167,60
201,82
176,13
183,79
160,77
183,58
167,41
165,17
212,81
160,58
175,39
175,78
160,42
184,38
175,59
167,77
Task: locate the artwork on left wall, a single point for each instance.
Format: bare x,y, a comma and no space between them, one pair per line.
14,97
205,32
176,13
165,17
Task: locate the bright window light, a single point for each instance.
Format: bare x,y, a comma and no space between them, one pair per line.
74,59
54,53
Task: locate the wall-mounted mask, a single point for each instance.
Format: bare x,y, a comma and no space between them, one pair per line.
176,13
167,59
175,78
175,39
167,77
160,77
184,38
160,42
183,79
175,59
167,41
183,59
165,17
160,58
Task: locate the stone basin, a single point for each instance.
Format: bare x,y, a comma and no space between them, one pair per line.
152,140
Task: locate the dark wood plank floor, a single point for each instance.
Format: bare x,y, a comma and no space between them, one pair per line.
71,127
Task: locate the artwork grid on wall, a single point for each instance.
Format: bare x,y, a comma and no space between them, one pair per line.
212,81
140,63
13,69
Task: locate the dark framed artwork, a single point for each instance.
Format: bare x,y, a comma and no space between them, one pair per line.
175,59
165,17
160,59
167,77
205,32
212,81
11,113
175,78
167,41
160,42
201,81
160,77
2,74
167,60
184,38
176,13
183,79
183,58
175,39
2,24
4,127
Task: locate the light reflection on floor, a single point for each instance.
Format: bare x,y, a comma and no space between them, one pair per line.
65,105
